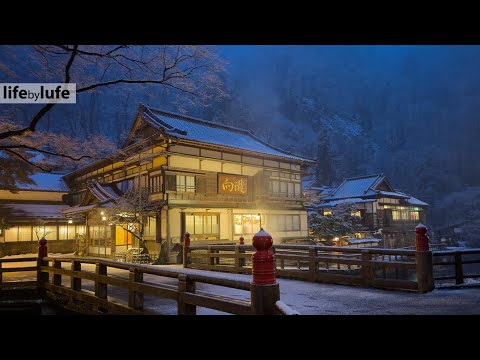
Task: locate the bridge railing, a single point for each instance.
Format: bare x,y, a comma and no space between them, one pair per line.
117,287
384,268
11,266
456,265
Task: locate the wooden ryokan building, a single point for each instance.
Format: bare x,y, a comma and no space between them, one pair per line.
214,181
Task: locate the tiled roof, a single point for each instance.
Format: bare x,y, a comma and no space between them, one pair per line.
414,201
345,201
356,187
104,192
31,211
208,132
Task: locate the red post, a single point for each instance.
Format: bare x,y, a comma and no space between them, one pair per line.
42,249
263,261
186,245
242,240
424,261
422,238
186,240
42,277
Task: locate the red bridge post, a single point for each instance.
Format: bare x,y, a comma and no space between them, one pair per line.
186,245
42,252
424,260
265,291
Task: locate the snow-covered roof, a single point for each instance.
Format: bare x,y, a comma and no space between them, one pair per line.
414,201
346,201
208,132
394,194
78,209
104,192
356,187
363,241
45,181
29,211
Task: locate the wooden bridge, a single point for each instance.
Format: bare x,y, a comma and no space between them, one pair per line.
100,286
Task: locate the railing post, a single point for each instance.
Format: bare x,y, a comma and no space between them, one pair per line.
100,287
265,291
57,278
186,249
135,298
312,263
185,285
366,268
76,283
210,258
424,260
458,268
42,277
242,240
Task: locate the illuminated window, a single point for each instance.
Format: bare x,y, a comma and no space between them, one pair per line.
395,215
185,183
327,212
203,224
284,222
150,228
356,213
66,232
100,235
246,223
414,215
155,184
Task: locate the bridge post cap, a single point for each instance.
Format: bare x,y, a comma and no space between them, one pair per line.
420,225
261,233
262,240
42,241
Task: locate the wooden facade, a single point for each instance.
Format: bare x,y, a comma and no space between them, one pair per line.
216,192
390,213
28,215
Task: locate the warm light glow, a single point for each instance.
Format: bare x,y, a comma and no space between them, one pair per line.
70,221
327,212
102,213
104,218
336,239
356,213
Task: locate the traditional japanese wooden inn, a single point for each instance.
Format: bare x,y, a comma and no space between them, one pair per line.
388,212
214,181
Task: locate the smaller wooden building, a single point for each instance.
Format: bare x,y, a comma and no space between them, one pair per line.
389,213
34,211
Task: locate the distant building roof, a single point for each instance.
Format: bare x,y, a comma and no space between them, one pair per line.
365,189
46,181
345,201
356,187
414,201
29,211
209,132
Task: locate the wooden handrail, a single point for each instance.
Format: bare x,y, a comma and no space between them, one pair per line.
184,293
371,260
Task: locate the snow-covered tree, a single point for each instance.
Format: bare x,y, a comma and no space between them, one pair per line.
131,212
340,222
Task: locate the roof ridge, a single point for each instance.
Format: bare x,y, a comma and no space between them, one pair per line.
145,109
364,176
195,119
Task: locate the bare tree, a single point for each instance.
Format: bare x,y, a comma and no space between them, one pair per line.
190,71
131,212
